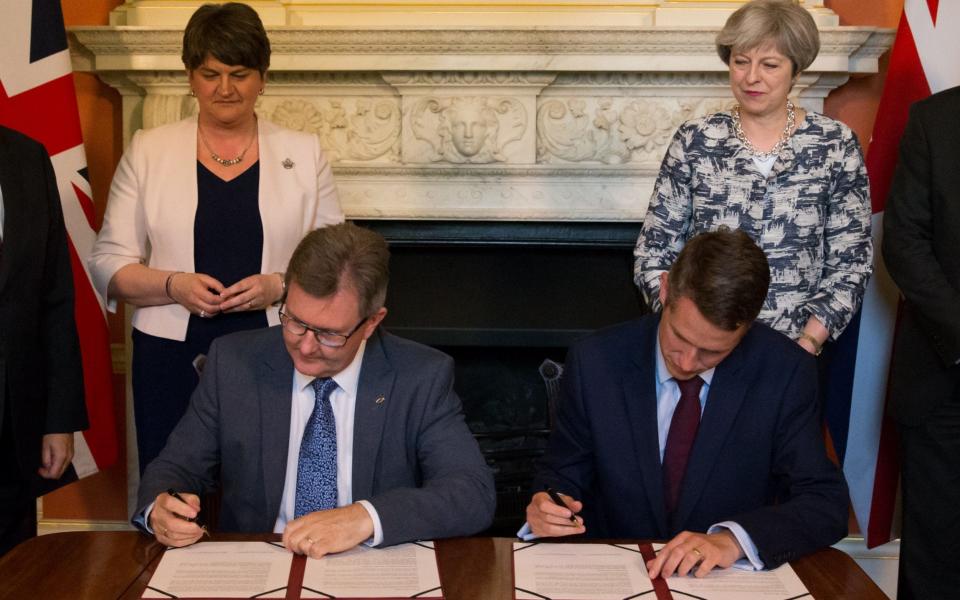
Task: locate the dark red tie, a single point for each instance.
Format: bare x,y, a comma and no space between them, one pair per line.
683,430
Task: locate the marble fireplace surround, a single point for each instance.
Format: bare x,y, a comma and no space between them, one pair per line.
494,122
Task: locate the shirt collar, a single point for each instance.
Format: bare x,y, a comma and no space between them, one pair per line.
348,379
663,375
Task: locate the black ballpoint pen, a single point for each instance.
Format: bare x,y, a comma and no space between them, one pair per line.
197,519
559,502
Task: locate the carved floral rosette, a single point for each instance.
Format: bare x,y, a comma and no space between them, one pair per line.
613,131
365,129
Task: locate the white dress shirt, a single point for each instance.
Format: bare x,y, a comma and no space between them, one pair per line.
343,401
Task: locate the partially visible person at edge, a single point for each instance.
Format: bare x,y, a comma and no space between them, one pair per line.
696,425
41,376
921,247
203,216
793,180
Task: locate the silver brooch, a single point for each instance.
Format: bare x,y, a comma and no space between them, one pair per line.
287,163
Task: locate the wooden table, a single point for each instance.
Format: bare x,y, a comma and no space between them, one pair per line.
118,564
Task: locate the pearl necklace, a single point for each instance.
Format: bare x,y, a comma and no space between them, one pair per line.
784,136
227,162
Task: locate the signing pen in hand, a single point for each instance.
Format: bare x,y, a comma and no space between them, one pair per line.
197,519
559,502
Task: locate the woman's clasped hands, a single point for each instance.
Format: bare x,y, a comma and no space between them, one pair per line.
255,292
205,296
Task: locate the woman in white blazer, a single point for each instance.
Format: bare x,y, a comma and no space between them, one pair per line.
203,216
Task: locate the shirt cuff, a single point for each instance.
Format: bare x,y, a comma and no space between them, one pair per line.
526,534
142,520
752,562
377,527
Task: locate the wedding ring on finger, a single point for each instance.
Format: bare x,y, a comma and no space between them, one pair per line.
203,313
311,540
698,553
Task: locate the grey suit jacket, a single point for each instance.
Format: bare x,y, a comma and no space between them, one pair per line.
413,457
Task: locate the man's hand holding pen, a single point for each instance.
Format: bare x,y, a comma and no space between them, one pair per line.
548,518
175,519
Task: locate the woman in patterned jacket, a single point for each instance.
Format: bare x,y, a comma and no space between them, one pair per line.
793,180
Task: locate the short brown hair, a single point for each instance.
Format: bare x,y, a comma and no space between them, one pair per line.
726,276
342,256
231,33
785,24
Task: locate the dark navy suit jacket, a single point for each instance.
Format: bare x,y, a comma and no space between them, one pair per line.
921,248
759,457
41,376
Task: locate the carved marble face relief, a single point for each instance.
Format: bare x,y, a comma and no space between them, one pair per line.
470,126
468,130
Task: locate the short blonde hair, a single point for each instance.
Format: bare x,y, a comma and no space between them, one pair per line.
785,24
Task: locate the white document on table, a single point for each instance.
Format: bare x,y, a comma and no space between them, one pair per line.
222,570
579,571
781,583
404,571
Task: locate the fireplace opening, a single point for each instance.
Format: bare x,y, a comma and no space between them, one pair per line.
505,300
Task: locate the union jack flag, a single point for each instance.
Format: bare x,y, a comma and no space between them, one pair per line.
37,98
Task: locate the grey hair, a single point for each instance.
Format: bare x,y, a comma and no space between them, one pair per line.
785,24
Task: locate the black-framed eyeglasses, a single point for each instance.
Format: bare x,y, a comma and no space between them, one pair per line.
330,339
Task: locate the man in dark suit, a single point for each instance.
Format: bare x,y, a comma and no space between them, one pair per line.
41,377
388,458
698,425
921,247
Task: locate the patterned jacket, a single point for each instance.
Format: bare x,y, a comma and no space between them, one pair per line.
811,216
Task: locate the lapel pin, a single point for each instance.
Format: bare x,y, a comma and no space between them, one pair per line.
287,163
380,400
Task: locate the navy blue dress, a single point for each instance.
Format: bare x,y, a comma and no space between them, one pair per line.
228,246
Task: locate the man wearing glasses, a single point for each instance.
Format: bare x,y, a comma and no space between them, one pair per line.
325,429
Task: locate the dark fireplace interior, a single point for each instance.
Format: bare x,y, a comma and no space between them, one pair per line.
502,298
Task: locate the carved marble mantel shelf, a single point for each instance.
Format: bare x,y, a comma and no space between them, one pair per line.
473,122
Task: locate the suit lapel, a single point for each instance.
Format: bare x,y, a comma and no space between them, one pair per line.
639,389
275,390
726,395
373,397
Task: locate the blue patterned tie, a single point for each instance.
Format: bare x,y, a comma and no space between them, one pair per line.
317,467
